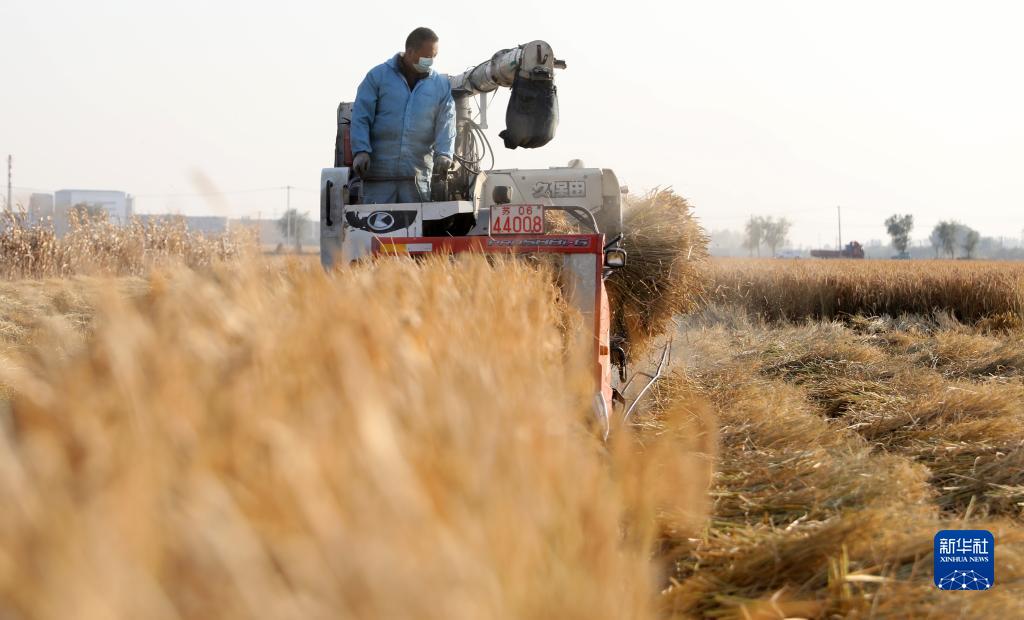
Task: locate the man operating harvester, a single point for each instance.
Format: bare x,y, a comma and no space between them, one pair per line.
403,124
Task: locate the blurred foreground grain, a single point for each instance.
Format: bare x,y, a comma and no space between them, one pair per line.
257,442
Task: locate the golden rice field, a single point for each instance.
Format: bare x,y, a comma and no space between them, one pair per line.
796,289
95,246
232,437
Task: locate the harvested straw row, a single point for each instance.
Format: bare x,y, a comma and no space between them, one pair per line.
811,520
968,431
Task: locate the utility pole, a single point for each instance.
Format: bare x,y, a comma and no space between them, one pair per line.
839,216
9,183
288,211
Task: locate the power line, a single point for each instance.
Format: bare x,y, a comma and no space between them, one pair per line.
200,194
9,205
189,194
816,210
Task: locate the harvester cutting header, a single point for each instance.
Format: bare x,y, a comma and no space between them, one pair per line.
389,200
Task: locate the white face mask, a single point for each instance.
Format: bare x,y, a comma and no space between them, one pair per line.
423,64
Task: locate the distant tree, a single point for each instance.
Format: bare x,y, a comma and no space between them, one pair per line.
775,232
899,227
944,236
754,234
970,241
935,241
85,211
292,224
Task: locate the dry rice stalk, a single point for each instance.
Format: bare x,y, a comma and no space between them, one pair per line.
834,516
297,444
971,291
97,246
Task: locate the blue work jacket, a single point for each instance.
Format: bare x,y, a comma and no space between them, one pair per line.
403,129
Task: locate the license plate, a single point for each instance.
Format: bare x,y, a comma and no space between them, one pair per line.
517,220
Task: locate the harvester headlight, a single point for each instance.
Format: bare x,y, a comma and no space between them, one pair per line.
615,258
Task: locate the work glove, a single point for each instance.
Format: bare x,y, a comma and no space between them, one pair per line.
361,164
442,164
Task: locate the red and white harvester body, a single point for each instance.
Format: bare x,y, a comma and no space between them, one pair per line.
498,211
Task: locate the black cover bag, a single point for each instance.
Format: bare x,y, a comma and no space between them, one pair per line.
532,114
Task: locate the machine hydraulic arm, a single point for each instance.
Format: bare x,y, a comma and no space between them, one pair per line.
533,61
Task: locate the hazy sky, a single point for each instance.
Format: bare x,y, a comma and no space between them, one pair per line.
773,108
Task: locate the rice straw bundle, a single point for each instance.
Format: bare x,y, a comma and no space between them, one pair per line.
663,275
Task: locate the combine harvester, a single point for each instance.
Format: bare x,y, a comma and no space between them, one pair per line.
502,211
